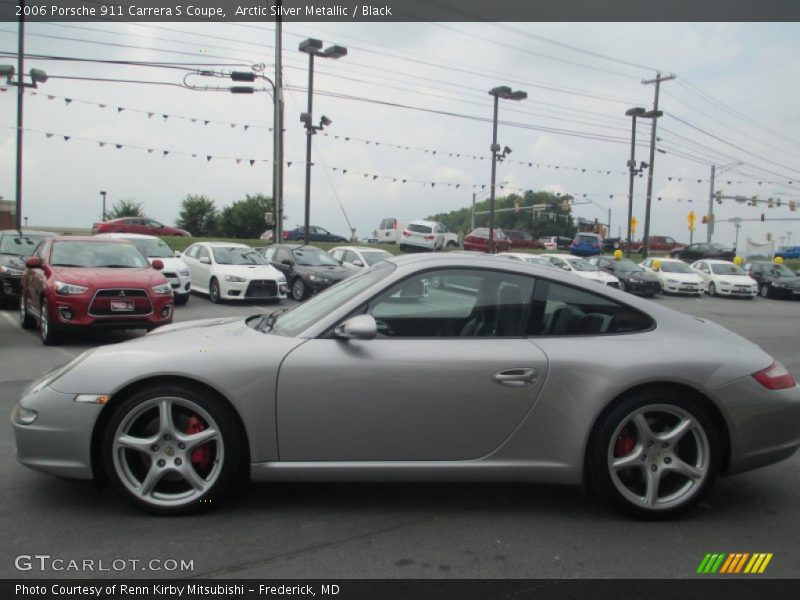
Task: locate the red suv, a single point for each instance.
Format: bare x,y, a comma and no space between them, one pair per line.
523,240
657,243
141,225
78,282
478,240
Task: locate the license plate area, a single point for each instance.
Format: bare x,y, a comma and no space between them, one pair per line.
122,305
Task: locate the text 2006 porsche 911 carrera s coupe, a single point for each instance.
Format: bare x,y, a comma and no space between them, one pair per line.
448,367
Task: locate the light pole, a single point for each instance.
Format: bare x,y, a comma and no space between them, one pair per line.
103,194
313,48
37,76
506,93
635,112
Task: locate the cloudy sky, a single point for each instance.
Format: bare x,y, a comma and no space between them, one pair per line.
733,104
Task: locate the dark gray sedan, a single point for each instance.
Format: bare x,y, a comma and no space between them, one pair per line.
425,367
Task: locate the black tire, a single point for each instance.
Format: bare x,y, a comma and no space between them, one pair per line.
622,286
765,290
47,333
451,244
218,468
299,290
712,289
402,247
213,290
26,321
644,457
181,299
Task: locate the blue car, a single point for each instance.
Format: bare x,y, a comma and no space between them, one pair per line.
586,244
788,252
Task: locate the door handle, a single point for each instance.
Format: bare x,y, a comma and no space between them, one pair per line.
521,377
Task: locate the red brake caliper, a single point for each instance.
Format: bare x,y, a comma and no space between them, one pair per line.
624,444
201,457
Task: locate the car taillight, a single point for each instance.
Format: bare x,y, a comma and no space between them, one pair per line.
406,233
429,237
775,377
286,235
394,225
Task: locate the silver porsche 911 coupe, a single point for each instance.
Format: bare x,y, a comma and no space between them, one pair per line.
456,367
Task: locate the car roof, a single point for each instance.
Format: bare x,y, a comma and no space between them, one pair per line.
423,222
359,249
128,236
715,261
86,238
665,259
224,244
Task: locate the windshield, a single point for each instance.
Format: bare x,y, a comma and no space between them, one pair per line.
152,248
375,256
589,239
417,228
626,266
20,246
313,257
723,269
581,265
782,271
304,315
236,255
97,254
676,267
536,260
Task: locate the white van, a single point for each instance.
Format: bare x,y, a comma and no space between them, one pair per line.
391,229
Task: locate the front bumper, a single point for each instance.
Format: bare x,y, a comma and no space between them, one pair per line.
59,441
72,312
764,425
10,285
230,290
736,291
682,288
646,288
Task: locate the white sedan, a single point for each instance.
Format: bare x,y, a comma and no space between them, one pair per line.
356,258
227,271
582,268
675,275
725,278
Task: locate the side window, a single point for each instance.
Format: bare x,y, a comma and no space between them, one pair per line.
282,255
454,303
269,253
39,249
559,309
383,224
154,224
669,240
192,251
337,254
202,252
350,256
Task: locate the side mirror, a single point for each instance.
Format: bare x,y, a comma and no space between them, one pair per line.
205,260
178,254
358,263
158,264
34,262
360,327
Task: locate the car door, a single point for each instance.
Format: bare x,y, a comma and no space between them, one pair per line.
704,271
34,280
201,271
284,262
449,377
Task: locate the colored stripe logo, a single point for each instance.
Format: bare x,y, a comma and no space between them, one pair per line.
735,563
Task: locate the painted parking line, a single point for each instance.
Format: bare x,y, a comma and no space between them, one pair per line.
58,349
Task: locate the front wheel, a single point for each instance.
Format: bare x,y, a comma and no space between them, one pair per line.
765,291
172,448
712,289
181,299
26,321
655,455
299,290
213,290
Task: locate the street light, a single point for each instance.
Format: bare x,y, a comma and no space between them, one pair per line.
37,76
103,194
506,93
313,47
635,112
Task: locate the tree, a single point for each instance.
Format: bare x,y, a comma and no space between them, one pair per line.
198,215
245,218
126,208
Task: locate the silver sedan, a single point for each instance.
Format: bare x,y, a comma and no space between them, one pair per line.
456,367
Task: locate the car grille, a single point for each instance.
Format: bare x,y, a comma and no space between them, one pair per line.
100,306
261,288
173,279
613,284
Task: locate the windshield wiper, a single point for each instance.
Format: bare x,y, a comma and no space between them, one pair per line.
68,265
115,267
269,320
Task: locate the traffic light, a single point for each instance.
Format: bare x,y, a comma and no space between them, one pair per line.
705,219
792,205
770,203
762,216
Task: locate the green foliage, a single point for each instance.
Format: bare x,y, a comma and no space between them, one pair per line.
125,208
244,218
551,219
198,215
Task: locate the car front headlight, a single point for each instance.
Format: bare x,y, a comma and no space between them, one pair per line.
674,281
68,289
319,278
184,273
779,285
234,279
281,279
162,289
9,271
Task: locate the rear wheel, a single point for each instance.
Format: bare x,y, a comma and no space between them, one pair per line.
172,448
655,455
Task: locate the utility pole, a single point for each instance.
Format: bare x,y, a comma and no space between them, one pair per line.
277,131
654,114
473,212
710,224
20,99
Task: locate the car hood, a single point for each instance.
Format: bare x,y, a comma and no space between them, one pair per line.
335,273
225,353
791,282
251,271
102,278
13,261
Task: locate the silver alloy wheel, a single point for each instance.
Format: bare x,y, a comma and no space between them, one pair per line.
159,467
44,321
298,290
213,291
712,289
669,461
765,291
23,310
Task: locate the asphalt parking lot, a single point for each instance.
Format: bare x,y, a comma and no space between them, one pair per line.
395,530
